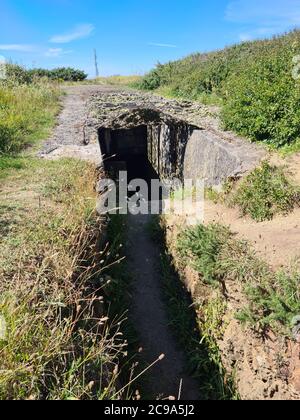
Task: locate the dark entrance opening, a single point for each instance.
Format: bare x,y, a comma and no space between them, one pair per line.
127,150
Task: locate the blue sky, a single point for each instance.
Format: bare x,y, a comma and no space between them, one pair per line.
131,36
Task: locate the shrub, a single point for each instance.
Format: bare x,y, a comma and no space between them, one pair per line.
67,74
273,301
17,74
265,193
151,81
263,100
20,75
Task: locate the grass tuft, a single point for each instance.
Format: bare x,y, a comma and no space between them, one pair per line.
265,193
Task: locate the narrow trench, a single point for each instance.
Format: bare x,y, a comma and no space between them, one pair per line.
168,377
148,310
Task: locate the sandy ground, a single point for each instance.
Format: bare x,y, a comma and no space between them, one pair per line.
276,241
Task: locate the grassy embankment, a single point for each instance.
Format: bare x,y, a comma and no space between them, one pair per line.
270,300
215,253
60,336
256,83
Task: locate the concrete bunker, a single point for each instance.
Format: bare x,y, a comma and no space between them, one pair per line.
146,143
150,144
180,142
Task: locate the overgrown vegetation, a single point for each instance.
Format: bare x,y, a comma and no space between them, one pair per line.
27,112
214,252
59,342
254,81
265,193
203,245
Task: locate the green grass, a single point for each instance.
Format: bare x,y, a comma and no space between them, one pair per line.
265,193
273,298
252,81
27,114
202,246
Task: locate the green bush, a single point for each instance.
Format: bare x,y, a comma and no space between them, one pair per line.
151,81
253,79
67,74
18,74
263,100
265,193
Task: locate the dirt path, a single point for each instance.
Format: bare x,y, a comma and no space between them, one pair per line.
150,317
68,138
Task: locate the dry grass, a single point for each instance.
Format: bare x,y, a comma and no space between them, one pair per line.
120,80
59,342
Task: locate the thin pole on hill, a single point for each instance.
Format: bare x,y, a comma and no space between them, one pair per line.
96,63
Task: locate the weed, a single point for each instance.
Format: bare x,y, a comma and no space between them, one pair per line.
274,301
202,246
265,193
203,357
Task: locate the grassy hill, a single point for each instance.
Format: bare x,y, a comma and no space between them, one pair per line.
256,83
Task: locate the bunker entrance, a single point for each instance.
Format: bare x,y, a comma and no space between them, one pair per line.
126,150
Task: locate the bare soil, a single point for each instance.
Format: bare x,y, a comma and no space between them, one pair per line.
276,241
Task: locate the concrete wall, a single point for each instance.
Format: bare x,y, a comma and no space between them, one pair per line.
166,148
177,149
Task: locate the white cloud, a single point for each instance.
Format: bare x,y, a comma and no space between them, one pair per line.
17,47
56,52
263,18
156,44
268,12
79,32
